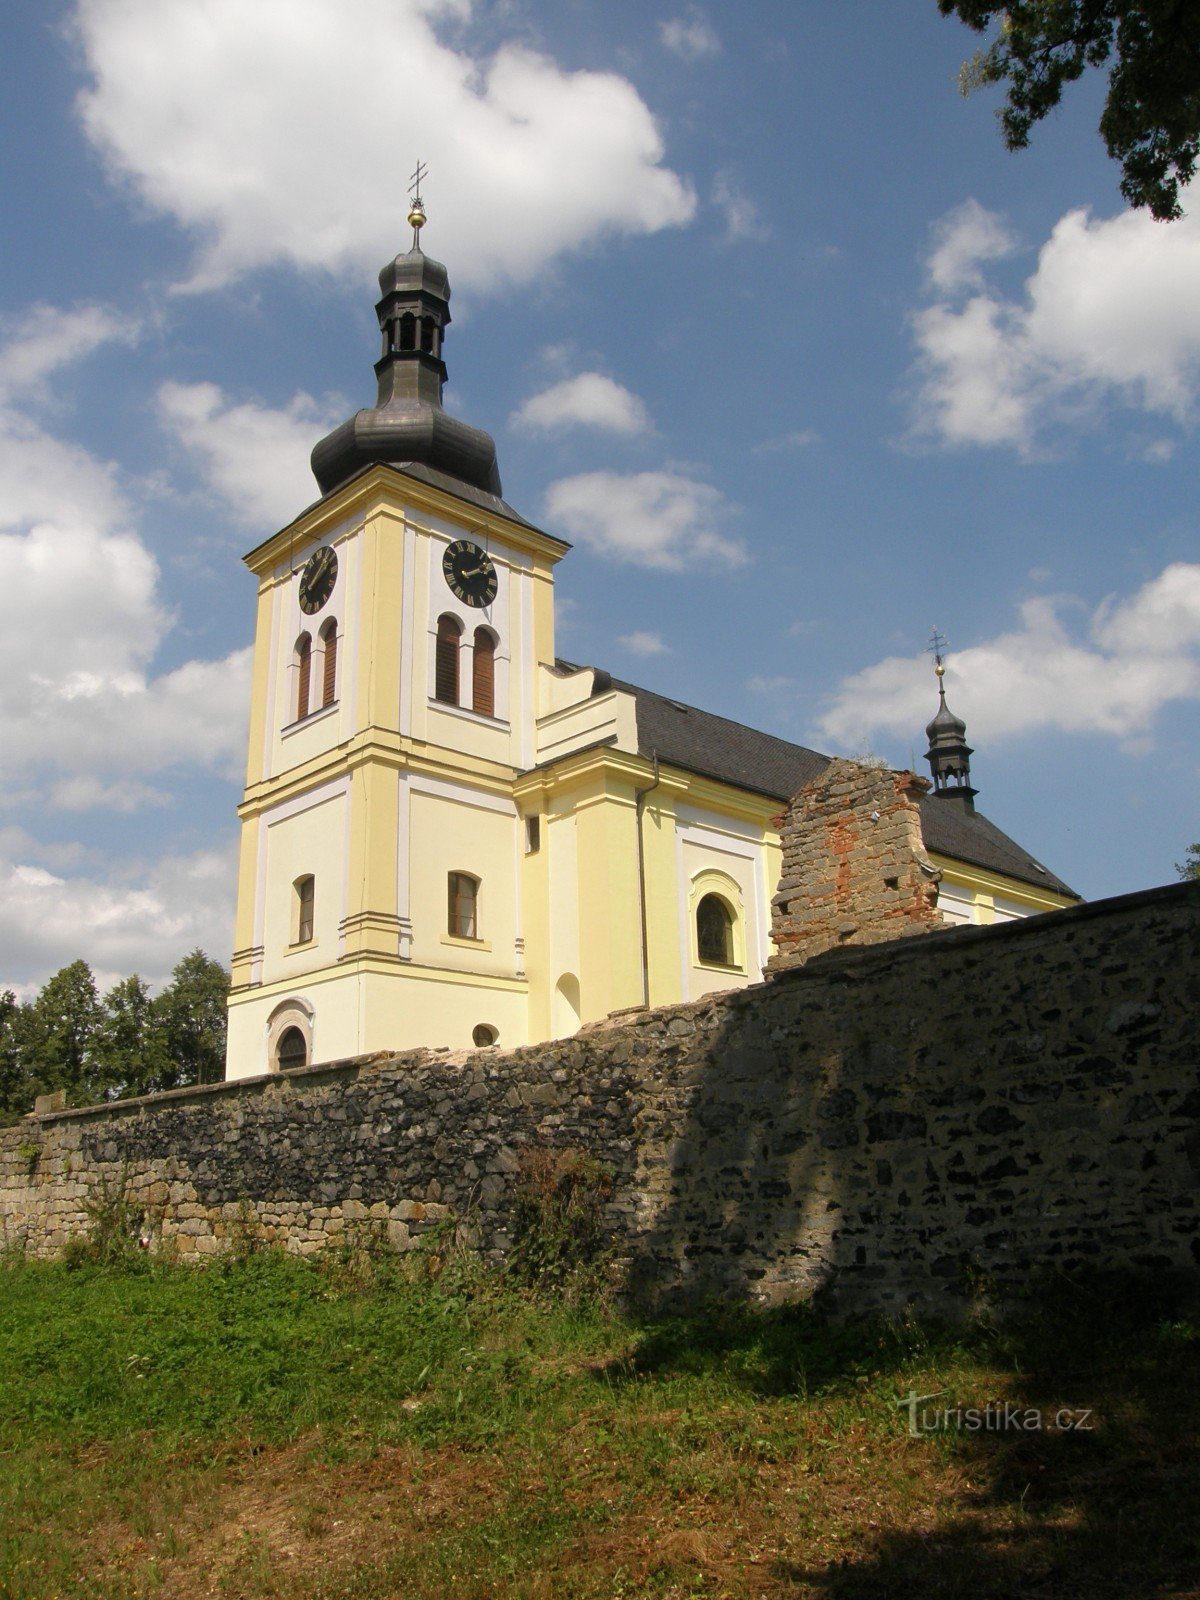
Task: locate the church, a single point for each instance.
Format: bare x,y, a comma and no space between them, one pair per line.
452,837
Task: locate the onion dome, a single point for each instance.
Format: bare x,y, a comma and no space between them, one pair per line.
407,423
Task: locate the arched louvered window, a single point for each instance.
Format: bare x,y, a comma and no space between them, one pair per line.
292,1050
483,673
303,674
329,639
714,931
449,632
463,919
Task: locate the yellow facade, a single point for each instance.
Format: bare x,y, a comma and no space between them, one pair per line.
418,872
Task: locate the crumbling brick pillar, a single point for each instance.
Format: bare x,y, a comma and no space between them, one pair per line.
855,869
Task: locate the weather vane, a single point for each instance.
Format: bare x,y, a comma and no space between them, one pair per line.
937,649
416,209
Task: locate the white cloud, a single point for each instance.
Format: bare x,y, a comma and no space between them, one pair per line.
743,219
589,400
1109,315
76,695
254,457
45,337
771,687
691,36
275,132
966,238
644,644
1110,673
661,520
136,917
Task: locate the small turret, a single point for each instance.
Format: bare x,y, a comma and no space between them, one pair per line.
949,754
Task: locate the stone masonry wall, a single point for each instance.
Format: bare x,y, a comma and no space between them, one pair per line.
878,1127
854,868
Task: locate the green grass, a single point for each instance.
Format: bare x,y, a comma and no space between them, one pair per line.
278,1427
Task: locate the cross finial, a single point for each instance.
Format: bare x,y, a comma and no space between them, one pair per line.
937,649
416,209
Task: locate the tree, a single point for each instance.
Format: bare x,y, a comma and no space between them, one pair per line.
1189,867
191,1011
14,1101
57,1034
1151,119
131,1054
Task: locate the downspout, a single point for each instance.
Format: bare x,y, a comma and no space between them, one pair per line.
641,811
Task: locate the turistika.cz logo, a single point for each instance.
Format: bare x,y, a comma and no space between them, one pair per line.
997,1416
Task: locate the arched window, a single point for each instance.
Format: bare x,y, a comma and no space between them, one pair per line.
483,1034
449,631
303,674
306,900
462,921
714,931
292,1050
329,639
483,673
408,331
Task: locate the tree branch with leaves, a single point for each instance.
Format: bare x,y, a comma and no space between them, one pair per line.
1151,119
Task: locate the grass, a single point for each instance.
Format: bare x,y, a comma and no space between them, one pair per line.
345,1430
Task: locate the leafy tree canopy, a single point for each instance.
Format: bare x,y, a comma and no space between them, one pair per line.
1189,867
1151,119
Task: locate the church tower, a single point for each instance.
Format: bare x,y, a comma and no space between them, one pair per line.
401,620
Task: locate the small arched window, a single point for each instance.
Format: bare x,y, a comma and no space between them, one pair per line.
483,1034
449,632
714,931
408,331
463,893
292,1050
329,641
483,673
306,899
303,674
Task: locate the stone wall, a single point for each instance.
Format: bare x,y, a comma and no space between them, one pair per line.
884,1125
854,868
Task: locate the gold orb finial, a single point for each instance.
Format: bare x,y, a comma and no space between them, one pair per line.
416,210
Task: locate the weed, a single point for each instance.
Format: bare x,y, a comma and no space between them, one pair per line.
114,1233
559,1236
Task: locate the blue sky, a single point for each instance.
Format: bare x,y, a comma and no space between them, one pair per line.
761,314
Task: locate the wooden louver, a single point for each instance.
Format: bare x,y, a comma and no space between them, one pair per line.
483,674
446,668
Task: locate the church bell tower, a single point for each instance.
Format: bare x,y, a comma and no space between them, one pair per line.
401,622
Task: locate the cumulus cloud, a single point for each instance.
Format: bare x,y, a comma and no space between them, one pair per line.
133,917
254,457
1110,315
44,337
662,520
691,36
1108,672
965,239
589,400
644,644
305,87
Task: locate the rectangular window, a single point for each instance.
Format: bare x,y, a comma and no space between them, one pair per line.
305,902
533,835
463,905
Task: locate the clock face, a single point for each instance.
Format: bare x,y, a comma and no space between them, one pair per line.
470,573
317,579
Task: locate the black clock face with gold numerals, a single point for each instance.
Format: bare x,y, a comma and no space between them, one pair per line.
470,573
317,579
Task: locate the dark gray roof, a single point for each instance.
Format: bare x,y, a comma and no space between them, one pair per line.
951,830
716,747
